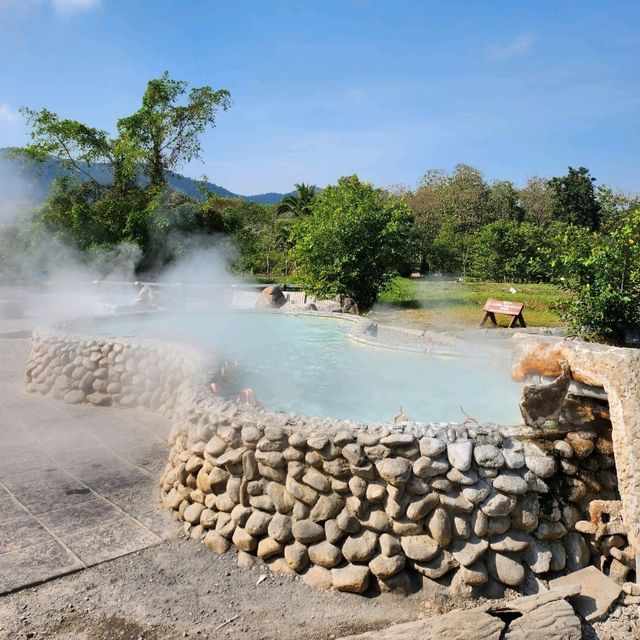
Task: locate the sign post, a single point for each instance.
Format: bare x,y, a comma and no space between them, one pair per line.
504,307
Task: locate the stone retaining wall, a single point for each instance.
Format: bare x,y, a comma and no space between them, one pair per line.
104,371
348,505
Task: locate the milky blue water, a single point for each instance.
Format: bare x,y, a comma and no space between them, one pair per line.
309,366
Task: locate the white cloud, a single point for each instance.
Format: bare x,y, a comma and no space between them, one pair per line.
517,47
7,115
71,6
62,7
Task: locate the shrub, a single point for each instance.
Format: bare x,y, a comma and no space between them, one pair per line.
354,241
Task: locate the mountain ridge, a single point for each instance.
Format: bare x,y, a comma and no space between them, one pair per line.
40,177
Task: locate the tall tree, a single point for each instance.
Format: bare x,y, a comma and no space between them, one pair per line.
354,241
466,199
298,204
99,198
536,199
504,202
574,199
614,205
167,132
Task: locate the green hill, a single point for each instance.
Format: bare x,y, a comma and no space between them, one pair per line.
38,180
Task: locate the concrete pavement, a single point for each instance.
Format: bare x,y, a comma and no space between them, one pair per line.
78,484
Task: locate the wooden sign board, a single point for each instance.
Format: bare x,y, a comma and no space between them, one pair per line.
504,307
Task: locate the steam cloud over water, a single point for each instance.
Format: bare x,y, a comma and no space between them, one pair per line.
55,281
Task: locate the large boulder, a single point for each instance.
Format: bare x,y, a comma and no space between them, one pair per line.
542,402
271,298
347,304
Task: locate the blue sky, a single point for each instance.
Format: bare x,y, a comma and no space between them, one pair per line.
386,89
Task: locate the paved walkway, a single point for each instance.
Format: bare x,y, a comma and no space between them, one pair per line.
78,484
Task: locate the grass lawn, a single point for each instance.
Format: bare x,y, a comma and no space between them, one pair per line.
447,304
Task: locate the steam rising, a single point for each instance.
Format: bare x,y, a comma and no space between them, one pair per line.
62,282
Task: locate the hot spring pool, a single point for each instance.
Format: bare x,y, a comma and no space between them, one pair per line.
308,366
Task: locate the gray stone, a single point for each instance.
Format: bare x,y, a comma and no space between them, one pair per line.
488,455
301,492
333,532
217,543
395,471
397,439
386,566
550,530
498,504
439,525
75,396
512,452
281,498
325,554
457,504
460,454
479,523
438,484
240,514
538,556
296,556
361,547
192,513
477,493
354,578
466,478
512,542
466,552
462,527
318,577
268,547
437,567
474,575
376,492
280,528
316,480
525,515
577,551
327,507
425,467
558,555
379,452
511,482
551,621
419,547
358,486
377,520
597,592
257,523
541,466
99,399
418,509
506,569
497,525
563,448
244,540
307,531
432,447
389,545
347,522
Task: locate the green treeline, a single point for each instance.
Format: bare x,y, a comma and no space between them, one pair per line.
348,238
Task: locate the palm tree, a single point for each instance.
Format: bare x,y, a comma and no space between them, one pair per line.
298,204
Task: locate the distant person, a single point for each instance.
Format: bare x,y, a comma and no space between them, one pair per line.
146,298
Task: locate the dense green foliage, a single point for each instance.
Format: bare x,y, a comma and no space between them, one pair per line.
354,241
350,238
508,251
605,282
130,205
574,199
